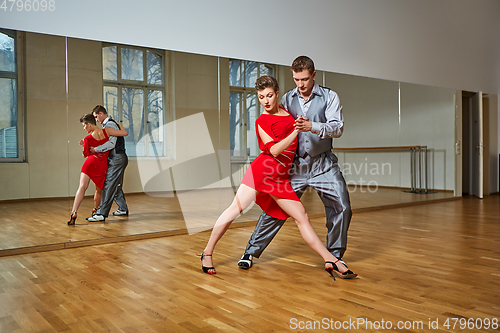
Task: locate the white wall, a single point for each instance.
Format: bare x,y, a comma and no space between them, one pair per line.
446,43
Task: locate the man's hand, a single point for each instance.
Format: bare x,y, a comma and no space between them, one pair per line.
81,143
302,124
92,150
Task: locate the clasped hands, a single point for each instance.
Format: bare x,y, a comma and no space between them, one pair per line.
302,124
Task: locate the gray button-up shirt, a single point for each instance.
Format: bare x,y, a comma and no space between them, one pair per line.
334,127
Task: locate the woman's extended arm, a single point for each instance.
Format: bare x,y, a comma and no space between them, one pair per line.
280,146
86,147
114,132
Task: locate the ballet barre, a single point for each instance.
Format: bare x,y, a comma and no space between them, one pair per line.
418,165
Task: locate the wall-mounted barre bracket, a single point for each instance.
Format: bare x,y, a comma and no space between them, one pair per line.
418,165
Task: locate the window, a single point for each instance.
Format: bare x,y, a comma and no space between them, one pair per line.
244,107
11,149
134,94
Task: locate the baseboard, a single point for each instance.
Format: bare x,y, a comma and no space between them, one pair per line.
174,193
404,204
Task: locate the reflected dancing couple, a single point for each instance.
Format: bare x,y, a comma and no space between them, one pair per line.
96,163
267,180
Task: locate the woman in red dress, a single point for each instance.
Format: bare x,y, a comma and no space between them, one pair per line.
267,180
95,166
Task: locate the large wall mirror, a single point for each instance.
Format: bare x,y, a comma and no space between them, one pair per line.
190,120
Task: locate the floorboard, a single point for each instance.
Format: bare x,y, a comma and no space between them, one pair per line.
416,265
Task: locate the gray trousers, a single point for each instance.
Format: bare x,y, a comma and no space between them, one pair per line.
112,189
321,173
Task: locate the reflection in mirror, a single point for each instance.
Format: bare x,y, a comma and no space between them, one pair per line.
8,51
236,73
251,73
156,119
133,119
110,101
235,124
155,68
385,121
253,112
131,64
8,118
191,124
109,62
9,140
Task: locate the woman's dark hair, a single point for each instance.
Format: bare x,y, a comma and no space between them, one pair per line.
266,81
88,119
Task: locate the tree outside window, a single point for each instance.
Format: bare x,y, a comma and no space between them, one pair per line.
9,140
134,90
244,107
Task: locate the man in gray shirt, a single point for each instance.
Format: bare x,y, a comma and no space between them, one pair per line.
117,162
318,114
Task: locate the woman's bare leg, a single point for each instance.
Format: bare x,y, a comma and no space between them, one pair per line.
80,193
244,197
296,210
97,197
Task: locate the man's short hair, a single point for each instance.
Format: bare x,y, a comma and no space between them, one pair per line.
303,63
99,109
88,119
266,81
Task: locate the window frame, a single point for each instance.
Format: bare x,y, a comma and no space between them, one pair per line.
244,91
18,75
143,85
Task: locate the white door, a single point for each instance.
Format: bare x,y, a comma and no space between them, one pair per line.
477,167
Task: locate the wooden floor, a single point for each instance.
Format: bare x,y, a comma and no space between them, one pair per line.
35,225
416,265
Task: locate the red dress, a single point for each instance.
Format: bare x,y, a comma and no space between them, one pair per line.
269,174
95,165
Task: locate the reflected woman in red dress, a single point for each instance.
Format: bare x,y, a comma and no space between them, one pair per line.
96,164
267,180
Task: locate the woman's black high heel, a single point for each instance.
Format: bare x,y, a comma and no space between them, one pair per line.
206,269
72,219
346,275
94,210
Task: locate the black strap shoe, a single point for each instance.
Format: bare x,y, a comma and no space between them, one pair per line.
345,275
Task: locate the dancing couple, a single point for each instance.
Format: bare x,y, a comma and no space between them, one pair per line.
105,164
286,137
